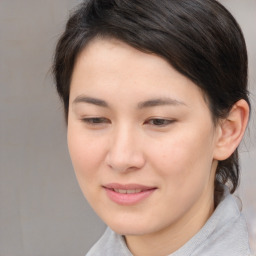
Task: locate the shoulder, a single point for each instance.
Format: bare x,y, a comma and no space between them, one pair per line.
109,244
228,234
225,233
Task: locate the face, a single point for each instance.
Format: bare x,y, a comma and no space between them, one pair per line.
141,140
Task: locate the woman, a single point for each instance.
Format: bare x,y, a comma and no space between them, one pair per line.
155,98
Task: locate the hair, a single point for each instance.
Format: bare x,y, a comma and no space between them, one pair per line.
199,38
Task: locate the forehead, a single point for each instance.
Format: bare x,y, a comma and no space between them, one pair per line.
101,52
110,66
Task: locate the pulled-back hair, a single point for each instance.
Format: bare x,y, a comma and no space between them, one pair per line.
199,38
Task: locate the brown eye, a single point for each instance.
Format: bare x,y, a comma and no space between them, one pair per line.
95,120
159,122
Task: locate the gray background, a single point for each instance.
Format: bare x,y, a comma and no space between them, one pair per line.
42,211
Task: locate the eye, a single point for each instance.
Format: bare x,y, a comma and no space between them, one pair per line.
160,122
94,121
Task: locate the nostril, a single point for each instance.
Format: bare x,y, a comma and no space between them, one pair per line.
125,152
127,162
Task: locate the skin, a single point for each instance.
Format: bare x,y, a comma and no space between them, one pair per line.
134,119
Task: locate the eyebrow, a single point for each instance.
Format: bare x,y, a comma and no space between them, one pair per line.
90,100
145,104
160,102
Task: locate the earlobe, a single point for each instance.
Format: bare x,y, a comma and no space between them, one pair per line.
231,130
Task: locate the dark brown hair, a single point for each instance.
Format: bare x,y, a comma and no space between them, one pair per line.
199,38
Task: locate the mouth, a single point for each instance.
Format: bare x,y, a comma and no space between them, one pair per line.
127,191
128,194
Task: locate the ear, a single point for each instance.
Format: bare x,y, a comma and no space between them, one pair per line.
230,130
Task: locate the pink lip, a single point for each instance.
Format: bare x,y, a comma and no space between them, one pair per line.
128,199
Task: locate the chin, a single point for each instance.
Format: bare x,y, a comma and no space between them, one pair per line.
131,228
124,226
128,230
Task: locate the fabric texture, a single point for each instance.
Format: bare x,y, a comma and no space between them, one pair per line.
224,234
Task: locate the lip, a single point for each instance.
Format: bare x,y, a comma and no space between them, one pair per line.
136,193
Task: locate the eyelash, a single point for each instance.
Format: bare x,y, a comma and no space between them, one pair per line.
95,120
158,122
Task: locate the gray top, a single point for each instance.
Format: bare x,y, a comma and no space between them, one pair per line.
224,234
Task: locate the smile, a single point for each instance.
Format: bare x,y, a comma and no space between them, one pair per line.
130,194
128,191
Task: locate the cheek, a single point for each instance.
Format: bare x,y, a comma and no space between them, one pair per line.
86,155
185,157
184,165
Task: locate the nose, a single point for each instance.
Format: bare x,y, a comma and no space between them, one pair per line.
125,151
